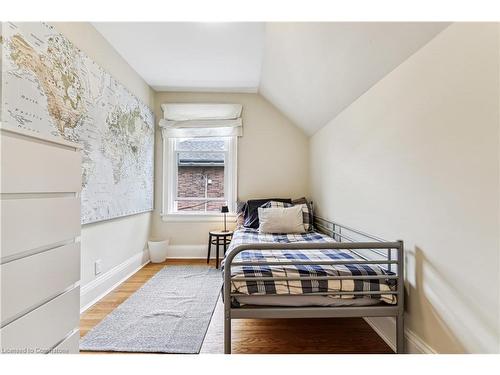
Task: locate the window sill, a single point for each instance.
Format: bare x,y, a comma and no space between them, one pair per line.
200,218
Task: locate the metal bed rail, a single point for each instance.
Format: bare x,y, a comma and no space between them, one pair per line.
335,230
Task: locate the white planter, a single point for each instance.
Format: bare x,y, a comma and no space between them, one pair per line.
158,250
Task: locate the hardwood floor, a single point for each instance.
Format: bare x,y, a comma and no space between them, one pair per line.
335,336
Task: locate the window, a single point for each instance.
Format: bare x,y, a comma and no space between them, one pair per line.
199,159
199,175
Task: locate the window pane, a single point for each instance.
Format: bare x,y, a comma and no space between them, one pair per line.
200,181
200,164
201,144
200,175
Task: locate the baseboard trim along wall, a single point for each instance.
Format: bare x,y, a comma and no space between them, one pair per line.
386,328
105,283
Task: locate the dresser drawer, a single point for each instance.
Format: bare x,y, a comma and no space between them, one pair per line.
31,223
33,166
29,281
43,328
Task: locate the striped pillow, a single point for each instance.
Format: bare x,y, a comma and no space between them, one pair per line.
308,222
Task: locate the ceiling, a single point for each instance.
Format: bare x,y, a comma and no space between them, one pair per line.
191,56
309,71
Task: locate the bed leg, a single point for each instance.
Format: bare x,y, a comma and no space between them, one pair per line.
227,304
227,332
400,335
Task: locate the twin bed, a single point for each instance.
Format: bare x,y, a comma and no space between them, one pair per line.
334,271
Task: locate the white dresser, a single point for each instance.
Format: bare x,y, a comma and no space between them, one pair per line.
39,253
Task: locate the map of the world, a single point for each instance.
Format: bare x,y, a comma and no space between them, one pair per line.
52,88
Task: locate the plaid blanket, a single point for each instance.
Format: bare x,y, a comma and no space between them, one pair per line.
247,235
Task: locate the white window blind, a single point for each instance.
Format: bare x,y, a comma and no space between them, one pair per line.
182,120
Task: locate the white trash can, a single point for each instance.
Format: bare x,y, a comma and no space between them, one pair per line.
158,250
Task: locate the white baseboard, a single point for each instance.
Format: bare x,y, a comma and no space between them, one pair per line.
415,344
192,252
386,328
93,291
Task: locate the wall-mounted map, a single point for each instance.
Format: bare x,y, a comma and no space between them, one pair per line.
52,88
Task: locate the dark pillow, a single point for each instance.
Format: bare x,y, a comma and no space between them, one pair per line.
251,210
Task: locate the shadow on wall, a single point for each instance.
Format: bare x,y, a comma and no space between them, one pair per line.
439,309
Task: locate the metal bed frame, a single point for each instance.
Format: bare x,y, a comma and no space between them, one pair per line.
354,241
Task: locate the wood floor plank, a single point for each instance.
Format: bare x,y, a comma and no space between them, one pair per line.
257,336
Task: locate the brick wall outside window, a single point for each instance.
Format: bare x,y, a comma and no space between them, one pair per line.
191,183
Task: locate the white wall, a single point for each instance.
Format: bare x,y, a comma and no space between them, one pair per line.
119,243
499,196
417,158
272,161
1,55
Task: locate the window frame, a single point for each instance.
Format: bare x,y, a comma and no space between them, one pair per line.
169,188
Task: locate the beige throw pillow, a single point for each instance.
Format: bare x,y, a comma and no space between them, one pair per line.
281,220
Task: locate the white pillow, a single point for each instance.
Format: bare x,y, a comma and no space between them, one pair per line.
281,220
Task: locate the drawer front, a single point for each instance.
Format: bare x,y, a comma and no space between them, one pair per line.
29,281
32,166
31,223
42,329
70,345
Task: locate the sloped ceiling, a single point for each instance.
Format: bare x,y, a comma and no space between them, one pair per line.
309,71
312,71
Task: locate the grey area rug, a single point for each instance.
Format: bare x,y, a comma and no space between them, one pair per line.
168,314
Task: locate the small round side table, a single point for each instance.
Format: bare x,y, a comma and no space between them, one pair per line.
217,238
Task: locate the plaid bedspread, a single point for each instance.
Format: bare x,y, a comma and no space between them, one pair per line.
246,287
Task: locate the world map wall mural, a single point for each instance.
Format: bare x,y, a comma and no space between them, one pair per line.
52,88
